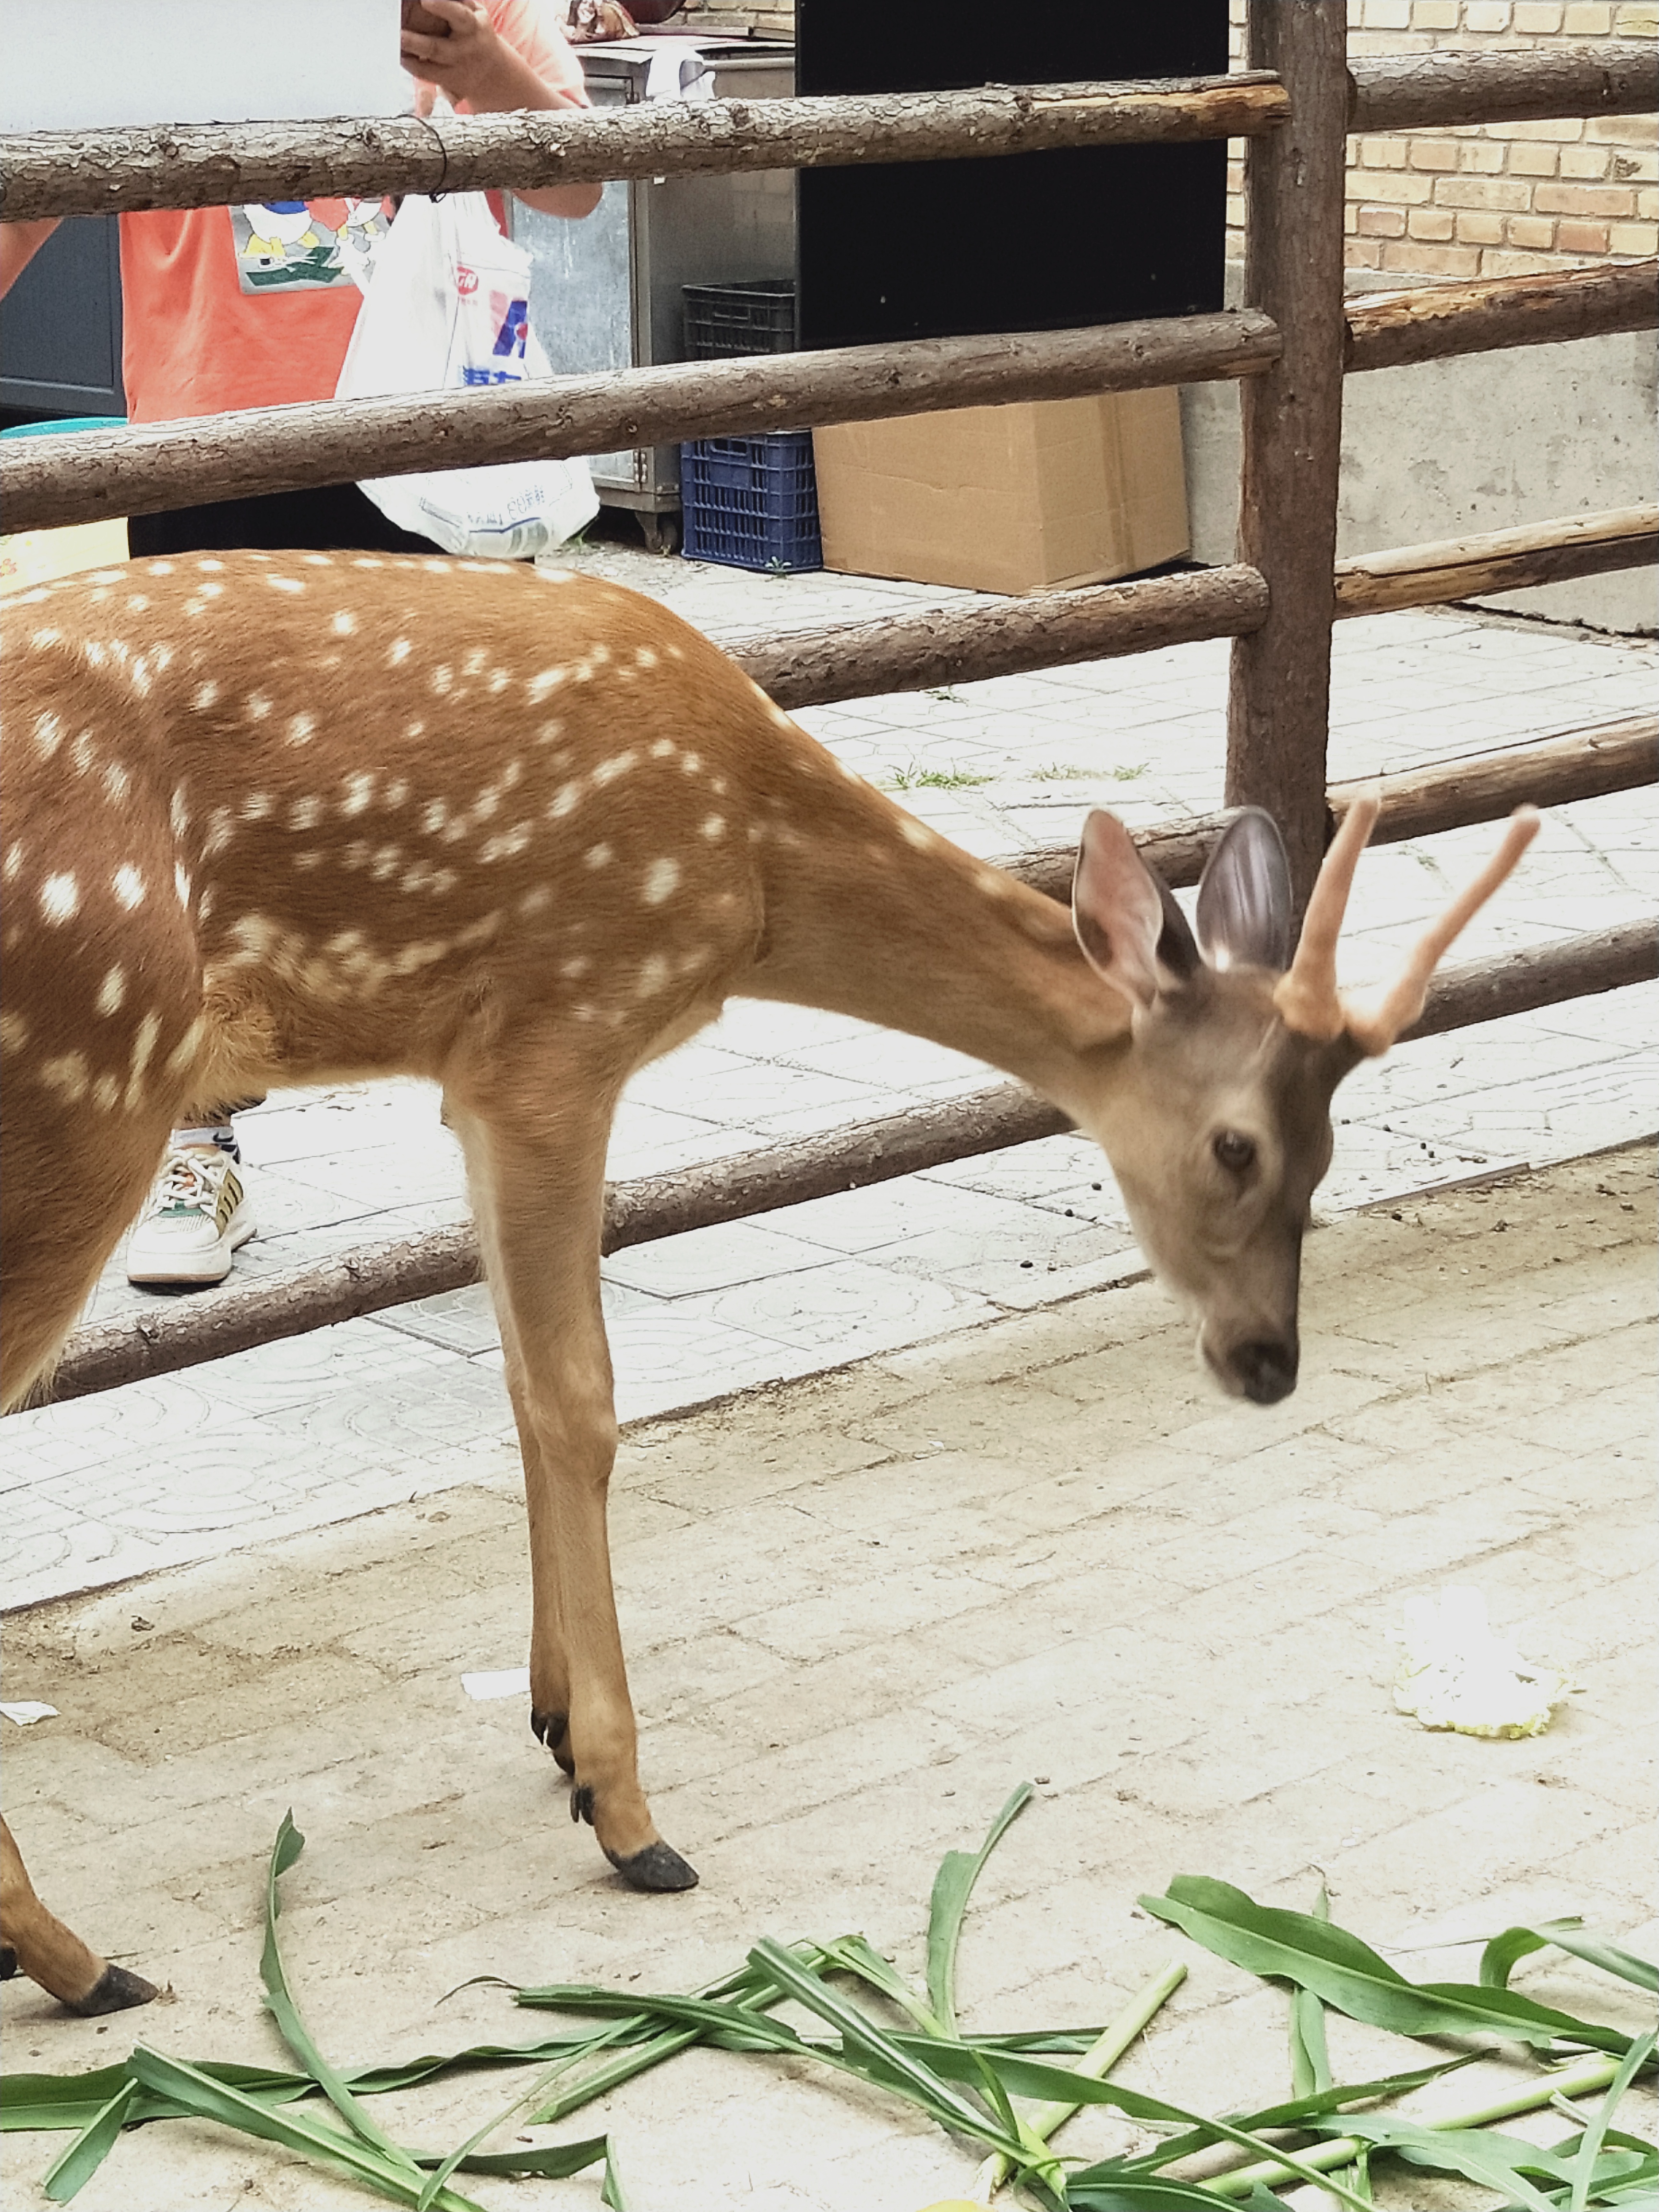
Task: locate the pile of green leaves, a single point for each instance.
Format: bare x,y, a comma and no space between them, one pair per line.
867,2020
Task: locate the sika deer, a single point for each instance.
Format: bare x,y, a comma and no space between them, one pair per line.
303,817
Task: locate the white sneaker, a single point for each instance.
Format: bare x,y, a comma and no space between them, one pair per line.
197,1216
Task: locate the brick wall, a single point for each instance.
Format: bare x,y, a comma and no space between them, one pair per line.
1500,199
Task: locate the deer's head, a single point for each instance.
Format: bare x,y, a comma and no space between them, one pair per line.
1223,1131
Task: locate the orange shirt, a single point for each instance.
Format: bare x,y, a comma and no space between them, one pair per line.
253,306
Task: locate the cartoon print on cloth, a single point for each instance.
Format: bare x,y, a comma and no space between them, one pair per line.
305,246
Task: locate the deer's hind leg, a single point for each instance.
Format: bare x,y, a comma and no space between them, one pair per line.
36,1943
536,1168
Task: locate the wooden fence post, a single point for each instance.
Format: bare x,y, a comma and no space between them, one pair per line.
1295,182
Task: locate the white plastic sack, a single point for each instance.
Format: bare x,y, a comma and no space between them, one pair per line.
447,306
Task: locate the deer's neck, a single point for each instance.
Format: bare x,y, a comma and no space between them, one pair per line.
875,915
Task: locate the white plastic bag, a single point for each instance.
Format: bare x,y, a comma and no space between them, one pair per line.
447,306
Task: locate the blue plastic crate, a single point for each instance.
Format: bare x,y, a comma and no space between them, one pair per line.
751,502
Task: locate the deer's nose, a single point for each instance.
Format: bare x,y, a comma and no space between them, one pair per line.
1266,1368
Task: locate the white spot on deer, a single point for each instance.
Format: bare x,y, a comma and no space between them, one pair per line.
385,862
35,598
396,793
13,1032
205,694
434,567
607,771
256,806
360,790
434,815
713,826
95,655
138,676
661,880
507,845
413,729
318,560
357,853
143,1045
44,637
208,567
257,707
499,680
367,560
664,749
181,883
117,783
158,568
107,576
186,1050
285,583
218,836
48,735
579,966
396,653
481,931
653,976
210,590
67,1073
414,957
557,575
106,1092
161,656
305,813
676,652
473,661
598,856
137,601
442,678
534,900
308,857
12,863
344,623
564,802
205,904
112,992
81,754
917,833
692,764
179,814
538,686
301,728
444,881
129,887
546,731
645,658
60,898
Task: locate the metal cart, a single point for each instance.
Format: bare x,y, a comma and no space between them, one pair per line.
606,291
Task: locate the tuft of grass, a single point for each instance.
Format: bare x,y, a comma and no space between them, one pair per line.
914,777
1067,772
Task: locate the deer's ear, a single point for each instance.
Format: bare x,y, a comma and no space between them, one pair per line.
1131,930
1244,897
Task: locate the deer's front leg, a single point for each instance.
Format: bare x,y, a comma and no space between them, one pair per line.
538,1195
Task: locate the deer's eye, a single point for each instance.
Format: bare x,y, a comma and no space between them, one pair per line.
1234,1152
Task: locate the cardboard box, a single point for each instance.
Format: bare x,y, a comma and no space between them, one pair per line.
1046,492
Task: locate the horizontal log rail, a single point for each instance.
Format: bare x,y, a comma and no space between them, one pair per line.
88,476
210,165
1408,91
986,636
1498,561
240,1314
93,475
44,173
1434,322
1449,794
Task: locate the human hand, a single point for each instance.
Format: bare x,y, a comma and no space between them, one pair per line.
453,45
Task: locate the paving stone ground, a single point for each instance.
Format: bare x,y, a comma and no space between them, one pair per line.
859,1609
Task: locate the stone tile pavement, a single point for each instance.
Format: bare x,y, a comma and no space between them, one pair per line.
859,1608
301,1433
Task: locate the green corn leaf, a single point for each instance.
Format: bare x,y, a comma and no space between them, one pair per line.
1296,2112
1155,2193
346,2154
1310,2063
73,2168
1483,2155
1349,1975
1501,1956
952,1886
1582,2172
290,2022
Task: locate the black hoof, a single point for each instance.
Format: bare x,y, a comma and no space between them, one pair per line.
582,1803
657,1867
553,1730
8,1962
114,1990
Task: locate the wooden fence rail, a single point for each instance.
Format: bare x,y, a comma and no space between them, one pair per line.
91,475
208,164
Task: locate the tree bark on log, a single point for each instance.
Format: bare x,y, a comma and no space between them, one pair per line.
1433,322
239,1315
990,636
1291,420
1409,91
1498,561
88,475
51,173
